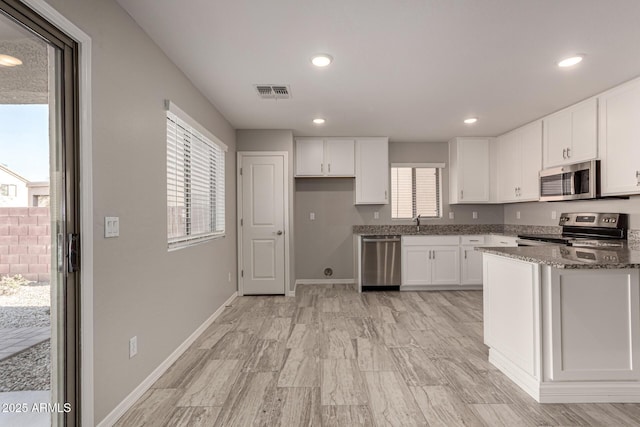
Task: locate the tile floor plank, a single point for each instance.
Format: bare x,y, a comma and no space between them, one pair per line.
391,402
246,398
301,369
342,383
212,385
200,416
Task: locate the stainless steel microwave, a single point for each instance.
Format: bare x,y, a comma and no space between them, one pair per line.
571,182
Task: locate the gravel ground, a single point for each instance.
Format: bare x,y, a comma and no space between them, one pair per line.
27,307
30,369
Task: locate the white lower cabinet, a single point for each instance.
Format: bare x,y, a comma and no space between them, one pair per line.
471,260
430,260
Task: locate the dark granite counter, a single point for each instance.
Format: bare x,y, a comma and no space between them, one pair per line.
627,256
452,229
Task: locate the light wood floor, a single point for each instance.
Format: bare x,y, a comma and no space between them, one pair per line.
333,357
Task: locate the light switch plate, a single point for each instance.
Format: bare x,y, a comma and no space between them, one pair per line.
475,215
376,215
554,215
312,216
451,215
517,214
111,226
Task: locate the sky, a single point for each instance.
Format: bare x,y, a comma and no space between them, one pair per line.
24,140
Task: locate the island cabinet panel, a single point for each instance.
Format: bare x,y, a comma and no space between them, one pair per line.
511,311
594,325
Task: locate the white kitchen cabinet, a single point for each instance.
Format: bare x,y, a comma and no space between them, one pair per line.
619,139
540,327
511,307
430,261
372,171
519,163
571,135
469,170
471,260
325,157
309,157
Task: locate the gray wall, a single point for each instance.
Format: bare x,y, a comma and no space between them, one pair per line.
539,213
140,288
275,140
328,241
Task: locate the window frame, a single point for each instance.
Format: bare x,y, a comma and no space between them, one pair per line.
215,149
439,167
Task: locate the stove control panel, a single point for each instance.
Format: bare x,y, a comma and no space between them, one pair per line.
606,220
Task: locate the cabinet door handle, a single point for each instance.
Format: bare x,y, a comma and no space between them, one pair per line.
329,167
322,167
385,194
465,254
568,153
434,254
564,153
638,178
461,194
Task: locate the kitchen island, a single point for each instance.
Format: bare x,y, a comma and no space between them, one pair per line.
563,322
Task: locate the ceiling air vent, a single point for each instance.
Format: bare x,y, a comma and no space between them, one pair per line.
273,91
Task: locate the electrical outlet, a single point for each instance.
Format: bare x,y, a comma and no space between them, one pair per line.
451,215
133,347
553,215
475,215
517,214
312,216
376,215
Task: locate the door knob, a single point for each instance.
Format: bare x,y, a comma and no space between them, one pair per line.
279,232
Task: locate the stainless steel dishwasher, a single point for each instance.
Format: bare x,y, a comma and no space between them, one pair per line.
380,262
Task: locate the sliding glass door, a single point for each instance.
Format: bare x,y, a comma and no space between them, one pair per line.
39,221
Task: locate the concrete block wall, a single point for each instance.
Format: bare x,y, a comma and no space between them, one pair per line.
25,243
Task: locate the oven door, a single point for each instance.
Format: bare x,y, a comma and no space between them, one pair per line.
572,182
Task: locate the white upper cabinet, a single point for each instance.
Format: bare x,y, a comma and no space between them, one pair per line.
571,135
619,138
519,163
372,171
469,170
317,157
309,157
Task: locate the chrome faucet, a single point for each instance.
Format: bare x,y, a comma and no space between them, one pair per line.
417,220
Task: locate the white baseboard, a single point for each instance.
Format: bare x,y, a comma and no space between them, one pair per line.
441,287
145,385
566,391
324,281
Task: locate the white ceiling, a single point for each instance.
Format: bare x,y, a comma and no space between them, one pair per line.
408,69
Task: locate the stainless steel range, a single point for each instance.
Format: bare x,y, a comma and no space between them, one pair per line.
596,230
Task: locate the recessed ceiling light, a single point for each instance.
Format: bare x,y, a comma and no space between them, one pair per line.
319,121
569,62
9,61
321,60
470,120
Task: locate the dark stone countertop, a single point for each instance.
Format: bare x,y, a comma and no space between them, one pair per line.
627,256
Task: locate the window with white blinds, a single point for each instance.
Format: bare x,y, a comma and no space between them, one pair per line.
195,181
415,190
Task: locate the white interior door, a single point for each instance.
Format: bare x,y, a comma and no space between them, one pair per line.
263,185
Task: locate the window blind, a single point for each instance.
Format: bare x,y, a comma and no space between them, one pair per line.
415,191
195,182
